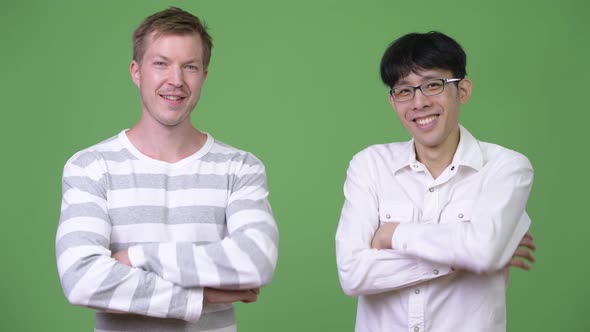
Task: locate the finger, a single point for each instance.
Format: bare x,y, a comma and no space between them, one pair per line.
515,262
524,253
255,290
528,235
525,242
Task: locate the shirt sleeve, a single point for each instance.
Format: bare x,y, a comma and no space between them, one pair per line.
245,258
88,275
487,241
361,269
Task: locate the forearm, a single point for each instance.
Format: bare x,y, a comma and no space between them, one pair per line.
370,271
480,236
244,259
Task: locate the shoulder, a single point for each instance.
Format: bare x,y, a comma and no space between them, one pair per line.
388,153
221,152
498,156
111,148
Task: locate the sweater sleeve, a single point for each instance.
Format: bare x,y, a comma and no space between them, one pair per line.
361,269
245,258
488,234
88,275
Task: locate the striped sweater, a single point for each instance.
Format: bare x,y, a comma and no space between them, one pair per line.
204,221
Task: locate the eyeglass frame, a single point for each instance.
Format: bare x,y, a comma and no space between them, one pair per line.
414,88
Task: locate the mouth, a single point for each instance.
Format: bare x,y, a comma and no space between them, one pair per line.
425,121
173,97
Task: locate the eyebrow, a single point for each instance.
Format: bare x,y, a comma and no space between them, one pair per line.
426,78
193,60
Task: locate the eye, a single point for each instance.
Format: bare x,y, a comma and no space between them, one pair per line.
159,63
192,67
433,85
402,91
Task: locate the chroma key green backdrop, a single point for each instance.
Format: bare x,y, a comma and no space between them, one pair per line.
296,83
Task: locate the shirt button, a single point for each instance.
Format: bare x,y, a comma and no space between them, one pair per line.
417,291
431,189
452,168
415,166
387,216
416,329
435,271
460,215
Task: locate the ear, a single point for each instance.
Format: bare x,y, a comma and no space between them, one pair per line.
134,70
465,87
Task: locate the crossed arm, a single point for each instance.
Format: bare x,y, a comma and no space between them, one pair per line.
91,277
420,252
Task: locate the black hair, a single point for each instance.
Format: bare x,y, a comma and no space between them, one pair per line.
422,51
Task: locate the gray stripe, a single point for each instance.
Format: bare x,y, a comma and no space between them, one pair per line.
87,158
163,181
257,179
185,260
150,251
222,158
79,238
102,297
178,303
162,215
228,275
86,184
117,246
73,274
83,210
263,265
140,303
124,322
246,204
262,226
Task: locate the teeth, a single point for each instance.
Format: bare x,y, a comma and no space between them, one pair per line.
172,97
426,120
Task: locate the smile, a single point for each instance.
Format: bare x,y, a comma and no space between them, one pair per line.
173,98
426,120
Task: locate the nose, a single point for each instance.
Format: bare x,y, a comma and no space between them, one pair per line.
420,101
176,77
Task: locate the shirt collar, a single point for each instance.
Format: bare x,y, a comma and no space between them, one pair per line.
468,153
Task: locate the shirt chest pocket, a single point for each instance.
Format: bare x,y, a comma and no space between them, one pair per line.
457,212
392,211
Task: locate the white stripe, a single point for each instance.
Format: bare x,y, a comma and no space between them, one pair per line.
243,264
229,168
70,257
249,192
123,295
84,224
166,233
206,267
94,276
167,256
171,199
160,300
245,217
76,196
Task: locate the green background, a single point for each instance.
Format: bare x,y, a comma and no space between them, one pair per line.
296,83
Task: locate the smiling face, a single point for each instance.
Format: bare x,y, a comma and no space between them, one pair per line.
433,121
169,77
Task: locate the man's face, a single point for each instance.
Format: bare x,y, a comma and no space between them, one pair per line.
170,77
432,119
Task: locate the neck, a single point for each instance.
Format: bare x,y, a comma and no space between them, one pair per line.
166,143
438,158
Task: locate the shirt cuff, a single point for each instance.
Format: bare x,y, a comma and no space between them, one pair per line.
194,307
402,237
136,256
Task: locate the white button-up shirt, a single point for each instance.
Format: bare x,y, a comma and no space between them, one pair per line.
446,271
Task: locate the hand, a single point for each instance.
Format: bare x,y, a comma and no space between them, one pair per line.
383,235
523,253
218,296
122,257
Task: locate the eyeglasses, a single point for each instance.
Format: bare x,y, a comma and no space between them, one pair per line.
428,88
